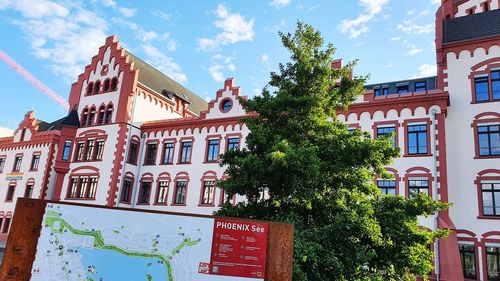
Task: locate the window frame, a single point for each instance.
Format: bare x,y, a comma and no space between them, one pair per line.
483,119
3,160
35,161
80,179
385,124
162,179
168,141
134,141
417,87
9,198
180,177
485,176
418,173
415,122
145,180
208,157
238,136
130,179
471,242
66,152
489,67
147,160
181,150
15,168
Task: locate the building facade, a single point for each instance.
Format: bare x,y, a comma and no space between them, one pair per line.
135,138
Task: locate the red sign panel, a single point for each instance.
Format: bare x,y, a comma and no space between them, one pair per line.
239,248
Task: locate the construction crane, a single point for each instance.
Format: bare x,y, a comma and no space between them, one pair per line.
26,75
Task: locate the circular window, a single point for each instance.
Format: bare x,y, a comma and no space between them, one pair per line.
226,105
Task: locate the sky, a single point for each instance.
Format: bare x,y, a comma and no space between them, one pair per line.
200,43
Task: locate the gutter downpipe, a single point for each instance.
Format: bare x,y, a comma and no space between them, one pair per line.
127,147
135,189
435,189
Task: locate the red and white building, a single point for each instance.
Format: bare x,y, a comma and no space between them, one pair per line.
136,138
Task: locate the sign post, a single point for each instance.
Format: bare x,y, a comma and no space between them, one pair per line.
81,242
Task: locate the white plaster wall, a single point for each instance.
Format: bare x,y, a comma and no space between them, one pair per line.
462,167
475,3
195,169
147,109
105,166
25,167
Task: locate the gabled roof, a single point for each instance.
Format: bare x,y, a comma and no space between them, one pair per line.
70,120
157,81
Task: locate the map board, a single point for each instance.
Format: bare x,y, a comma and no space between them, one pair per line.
91,243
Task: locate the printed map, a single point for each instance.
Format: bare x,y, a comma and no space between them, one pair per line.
97,244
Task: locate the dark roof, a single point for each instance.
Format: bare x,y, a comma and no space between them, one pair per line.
70,120
157,81
430,84
480,25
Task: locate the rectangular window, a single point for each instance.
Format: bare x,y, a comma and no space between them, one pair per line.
233,144
132,153
180,192
17,164
489,140
417,186
10,193
73,188
213,150
2,164
28,191
90,150
99,150
493,262
145,192
34,162
490,192
495,84
126,189
420,86
481,87
468,257
6,225
186,152
80,149
151,150
92,188
208,193
168,153
402,89
417,139
82,189
66,150
377,92
385,91
161,196
387,187
383,131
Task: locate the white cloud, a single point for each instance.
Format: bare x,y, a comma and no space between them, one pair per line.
164,63
412,49
436,2
410,12
231,67
5,132
423,13
127,12
312,8
411,28
234,29
426,70
162,15
65,34
282,25
358,26
396,38
264,58
216,72
280,3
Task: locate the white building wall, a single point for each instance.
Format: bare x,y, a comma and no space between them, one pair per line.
462,165
147,108
462,8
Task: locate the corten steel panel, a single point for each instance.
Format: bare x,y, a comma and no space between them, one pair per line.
26,227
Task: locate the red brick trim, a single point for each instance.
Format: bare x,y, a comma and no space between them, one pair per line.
471,239
418,172
485,175
485,240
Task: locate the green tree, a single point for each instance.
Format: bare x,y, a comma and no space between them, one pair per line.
302,166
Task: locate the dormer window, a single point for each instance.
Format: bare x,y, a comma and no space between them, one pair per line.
226,105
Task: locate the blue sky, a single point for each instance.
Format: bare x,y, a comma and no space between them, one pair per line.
200,43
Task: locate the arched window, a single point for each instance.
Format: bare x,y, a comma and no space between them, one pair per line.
85,116
105,86
97,87
109,112
114,84
90,88
102,111
91,116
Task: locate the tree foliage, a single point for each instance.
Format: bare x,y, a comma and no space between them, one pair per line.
302,166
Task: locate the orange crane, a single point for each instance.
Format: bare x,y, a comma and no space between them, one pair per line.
26,75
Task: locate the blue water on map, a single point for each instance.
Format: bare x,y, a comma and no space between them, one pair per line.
112,266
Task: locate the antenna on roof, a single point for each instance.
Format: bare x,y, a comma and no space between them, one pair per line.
26,75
